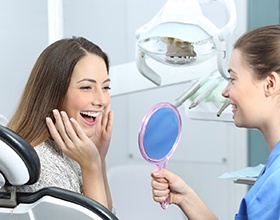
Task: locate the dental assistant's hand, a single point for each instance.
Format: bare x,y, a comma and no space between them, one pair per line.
103,132
165,182
72,140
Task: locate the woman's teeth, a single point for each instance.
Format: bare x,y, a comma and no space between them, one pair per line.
91,114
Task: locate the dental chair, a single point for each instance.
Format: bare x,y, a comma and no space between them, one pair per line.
3,120
20,165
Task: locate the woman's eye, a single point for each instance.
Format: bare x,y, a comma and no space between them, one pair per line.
231,80
85,87
107,88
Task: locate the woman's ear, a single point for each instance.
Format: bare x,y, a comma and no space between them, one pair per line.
272,84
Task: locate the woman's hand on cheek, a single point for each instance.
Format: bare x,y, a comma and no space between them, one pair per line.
72,140
103,132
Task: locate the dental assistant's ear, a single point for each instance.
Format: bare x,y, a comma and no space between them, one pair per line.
272,84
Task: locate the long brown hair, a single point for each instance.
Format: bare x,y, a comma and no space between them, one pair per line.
47,86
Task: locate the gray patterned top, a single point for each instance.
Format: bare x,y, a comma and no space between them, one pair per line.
57,170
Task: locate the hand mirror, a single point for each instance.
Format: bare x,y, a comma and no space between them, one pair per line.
159,135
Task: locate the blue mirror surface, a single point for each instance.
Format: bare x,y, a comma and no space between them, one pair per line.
161,133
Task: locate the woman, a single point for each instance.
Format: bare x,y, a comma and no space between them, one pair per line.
64,113
254,93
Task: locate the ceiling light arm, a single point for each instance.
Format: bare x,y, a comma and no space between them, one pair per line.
144,69
152,22
223,36
141,64
230,27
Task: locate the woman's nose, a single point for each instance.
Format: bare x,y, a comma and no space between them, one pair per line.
97,98
100,98
225,92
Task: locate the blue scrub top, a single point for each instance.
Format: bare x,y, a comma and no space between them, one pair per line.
262,202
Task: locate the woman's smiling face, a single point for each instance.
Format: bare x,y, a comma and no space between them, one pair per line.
88,93
245,92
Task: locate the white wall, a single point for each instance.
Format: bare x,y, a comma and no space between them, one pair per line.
24,34
207,149
111,24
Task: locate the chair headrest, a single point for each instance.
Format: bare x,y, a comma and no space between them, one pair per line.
3,120
19,162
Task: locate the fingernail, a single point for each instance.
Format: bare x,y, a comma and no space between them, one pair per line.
156,173
63,114
55,112
48,120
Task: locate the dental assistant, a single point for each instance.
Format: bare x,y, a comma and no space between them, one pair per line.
254,93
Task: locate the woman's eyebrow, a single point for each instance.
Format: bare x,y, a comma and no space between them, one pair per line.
107,80
87,79
92,80
231,71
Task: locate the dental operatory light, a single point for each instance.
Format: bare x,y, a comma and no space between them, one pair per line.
180,35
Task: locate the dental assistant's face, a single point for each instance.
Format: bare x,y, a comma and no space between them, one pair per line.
88,92
245,93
